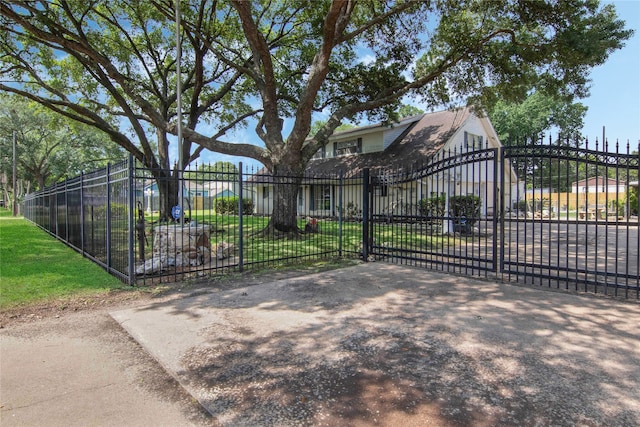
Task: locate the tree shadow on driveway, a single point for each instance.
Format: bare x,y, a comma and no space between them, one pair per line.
382,344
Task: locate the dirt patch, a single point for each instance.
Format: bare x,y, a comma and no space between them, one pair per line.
59,307
122,298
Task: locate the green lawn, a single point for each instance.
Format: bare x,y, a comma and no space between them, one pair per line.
35,266
259,249
226,228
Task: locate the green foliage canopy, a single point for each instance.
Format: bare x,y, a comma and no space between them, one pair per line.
100,61
49,147
518,122
113,65
218,171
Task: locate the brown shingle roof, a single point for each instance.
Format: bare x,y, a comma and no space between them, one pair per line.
423,138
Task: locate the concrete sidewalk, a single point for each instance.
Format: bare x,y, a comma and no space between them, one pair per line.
381,344
82,369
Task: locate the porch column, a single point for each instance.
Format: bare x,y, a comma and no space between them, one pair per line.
446,222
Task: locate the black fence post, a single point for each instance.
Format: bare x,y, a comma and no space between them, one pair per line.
66,211
82,212
365,214
55,210
340,207
638,194
637,240
93,233
240,225
130,223
498,215
107,236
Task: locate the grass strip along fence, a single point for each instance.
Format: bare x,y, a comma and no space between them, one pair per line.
34,266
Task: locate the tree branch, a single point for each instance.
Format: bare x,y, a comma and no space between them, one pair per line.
267,84
335,22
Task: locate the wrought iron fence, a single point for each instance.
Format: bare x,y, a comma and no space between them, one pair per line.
226,214
91,214
118,217
573,222
556,216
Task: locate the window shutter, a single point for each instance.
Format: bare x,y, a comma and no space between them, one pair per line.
359,145
466,139
312,199
480,142
335,149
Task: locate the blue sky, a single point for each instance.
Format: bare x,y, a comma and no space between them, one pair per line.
614,100
615,89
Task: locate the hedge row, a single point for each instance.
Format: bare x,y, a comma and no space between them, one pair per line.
229,206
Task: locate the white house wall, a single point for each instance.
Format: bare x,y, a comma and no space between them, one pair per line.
263,204
372,143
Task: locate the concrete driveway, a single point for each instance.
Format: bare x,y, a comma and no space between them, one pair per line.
382,344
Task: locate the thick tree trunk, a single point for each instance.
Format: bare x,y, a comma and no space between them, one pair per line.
168,192
285,204
287,179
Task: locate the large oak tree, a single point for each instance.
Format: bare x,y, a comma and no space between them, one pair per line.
112,63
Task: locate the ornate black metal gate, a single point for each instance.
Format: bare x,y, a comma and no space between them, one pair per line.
557,216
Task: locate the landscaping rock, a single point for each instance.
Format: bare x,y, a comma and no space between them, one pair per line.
223,250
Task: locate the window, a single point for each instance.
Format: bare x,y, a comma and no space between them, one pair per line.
321,153
351,146
382,190
321,197
472,141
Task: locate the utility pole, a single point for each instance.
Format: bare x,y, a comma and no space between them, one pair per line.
15,177
179,115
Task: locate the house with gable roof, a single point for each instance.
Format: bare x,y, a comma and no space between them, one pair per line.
599,184
410,145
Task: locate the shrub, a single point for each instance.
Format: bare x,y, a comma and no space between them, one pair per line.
432,206
633,201
118,210
521,206
229,206
352,211
467,207
618,206
247,206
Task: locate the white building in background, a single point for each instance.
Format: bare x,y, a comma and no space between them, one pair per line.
405,146
599,184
